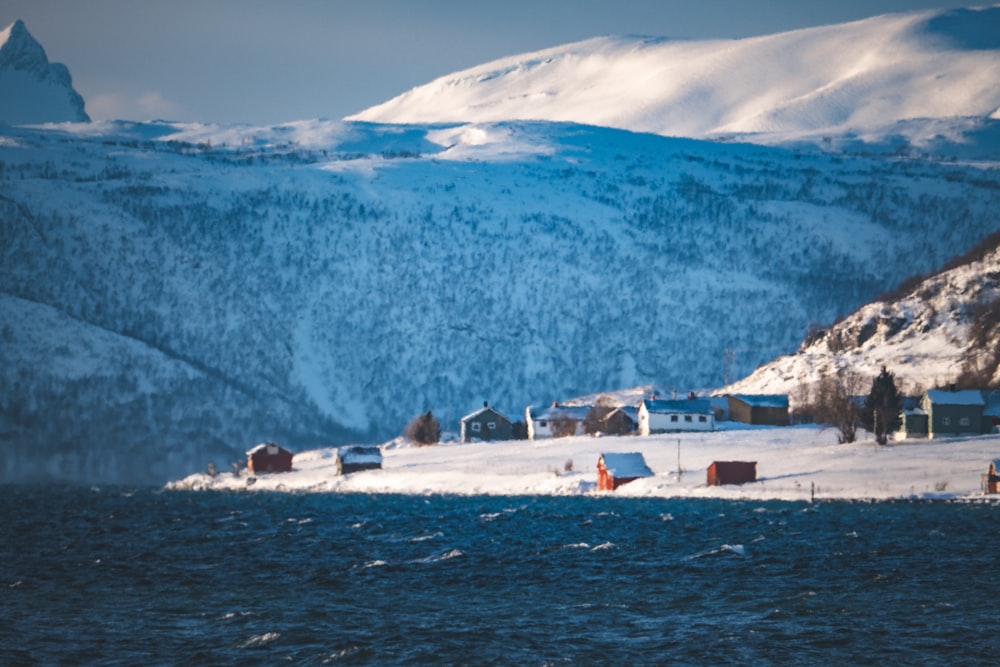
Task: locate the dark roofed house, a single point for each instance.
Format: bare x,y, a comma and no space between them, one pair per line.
615,469
269,457
355,458
767,409
485,424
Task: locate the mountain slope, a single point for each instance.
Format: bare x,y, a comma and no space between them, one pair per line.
318,282
33,90
944,329
821,81
171,294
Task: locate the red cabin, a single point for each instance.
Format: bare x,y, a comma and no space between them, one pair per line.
269,457
613,470
732,472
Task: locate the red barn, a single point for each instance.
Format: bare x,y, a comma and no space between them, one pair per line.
732,472
613,470
269,457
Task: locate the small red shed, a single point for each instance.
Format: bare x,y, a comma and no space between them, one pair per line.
269,457
732,472
614,469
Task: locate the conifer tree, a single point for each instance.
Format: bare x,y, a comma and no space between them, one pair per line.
882,406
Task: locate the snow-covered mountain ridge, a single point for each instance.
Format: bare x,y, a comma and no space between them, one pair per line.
33,90
943,328
852,78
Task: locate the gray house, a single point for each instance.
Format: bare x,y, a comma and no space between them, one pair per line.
485,424
951,413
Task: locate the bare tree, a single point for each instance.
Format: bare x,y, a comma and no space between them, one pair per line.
594,421
836,402
562,426
423,429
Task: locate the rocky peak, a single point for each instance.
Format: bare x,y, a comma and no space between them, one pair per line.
33,90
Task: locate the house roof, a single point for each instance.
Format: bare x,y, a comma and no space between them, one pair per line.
631,464
359,454
263,446
965,397
763,400
578,412
698,406
482,410
630,411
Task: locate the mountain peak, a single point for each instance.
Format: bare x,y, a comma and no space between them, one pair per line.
19,50
33,90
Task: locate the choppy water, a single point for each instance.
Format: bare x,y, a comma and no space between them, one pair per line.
142,577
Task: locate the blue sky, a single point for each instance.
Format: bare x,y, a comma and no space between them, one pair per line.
261,61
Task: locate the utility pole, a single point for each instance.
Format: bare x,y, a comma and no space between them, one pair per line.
678,459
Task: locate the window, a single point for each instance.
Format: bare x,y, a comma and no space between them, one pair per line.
702,418
542,424
491,426
946,421
964,421
687,418
673,418
476,426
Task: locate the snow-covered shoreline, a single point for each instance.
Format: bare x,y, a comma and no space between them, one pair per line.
793,463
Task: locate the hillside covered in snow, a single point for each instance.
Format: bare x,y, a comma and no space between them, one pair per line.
855,79
936,331
172,293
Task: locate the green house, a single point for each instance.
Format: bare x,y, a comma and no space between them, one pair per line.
951,413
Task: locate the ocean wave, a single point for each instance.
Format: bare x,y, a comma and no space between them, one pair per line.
259,640
734,549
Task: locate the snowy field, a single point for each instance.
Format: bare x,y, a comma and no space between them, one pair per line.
793,463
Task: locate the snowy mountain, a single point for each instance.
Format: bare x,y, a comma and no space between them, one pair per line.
33,90
173,294
852,78
941,329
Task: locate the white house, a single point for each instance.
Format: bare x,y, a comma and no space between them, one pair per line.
662,416
555,420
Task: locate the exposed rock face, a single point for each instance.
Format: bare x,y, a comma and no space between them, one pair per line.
33,90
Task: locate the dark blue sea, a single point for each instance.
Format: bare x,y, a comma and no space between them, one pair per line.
117,576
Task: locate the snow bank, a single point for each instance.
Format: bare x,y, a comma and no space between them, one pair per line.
793,463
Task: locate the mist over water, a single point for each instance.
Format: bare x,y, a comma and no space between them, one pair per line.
138,576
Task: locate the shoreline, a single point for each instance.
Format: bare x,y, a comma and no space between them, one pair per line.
797,463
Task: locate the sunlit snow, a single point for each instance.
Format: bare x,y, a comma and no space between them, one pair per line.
793,463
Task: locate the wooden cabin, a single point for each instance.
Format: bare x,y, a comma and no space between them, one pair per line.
768,409
732,472
614,469
268,457
355,458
